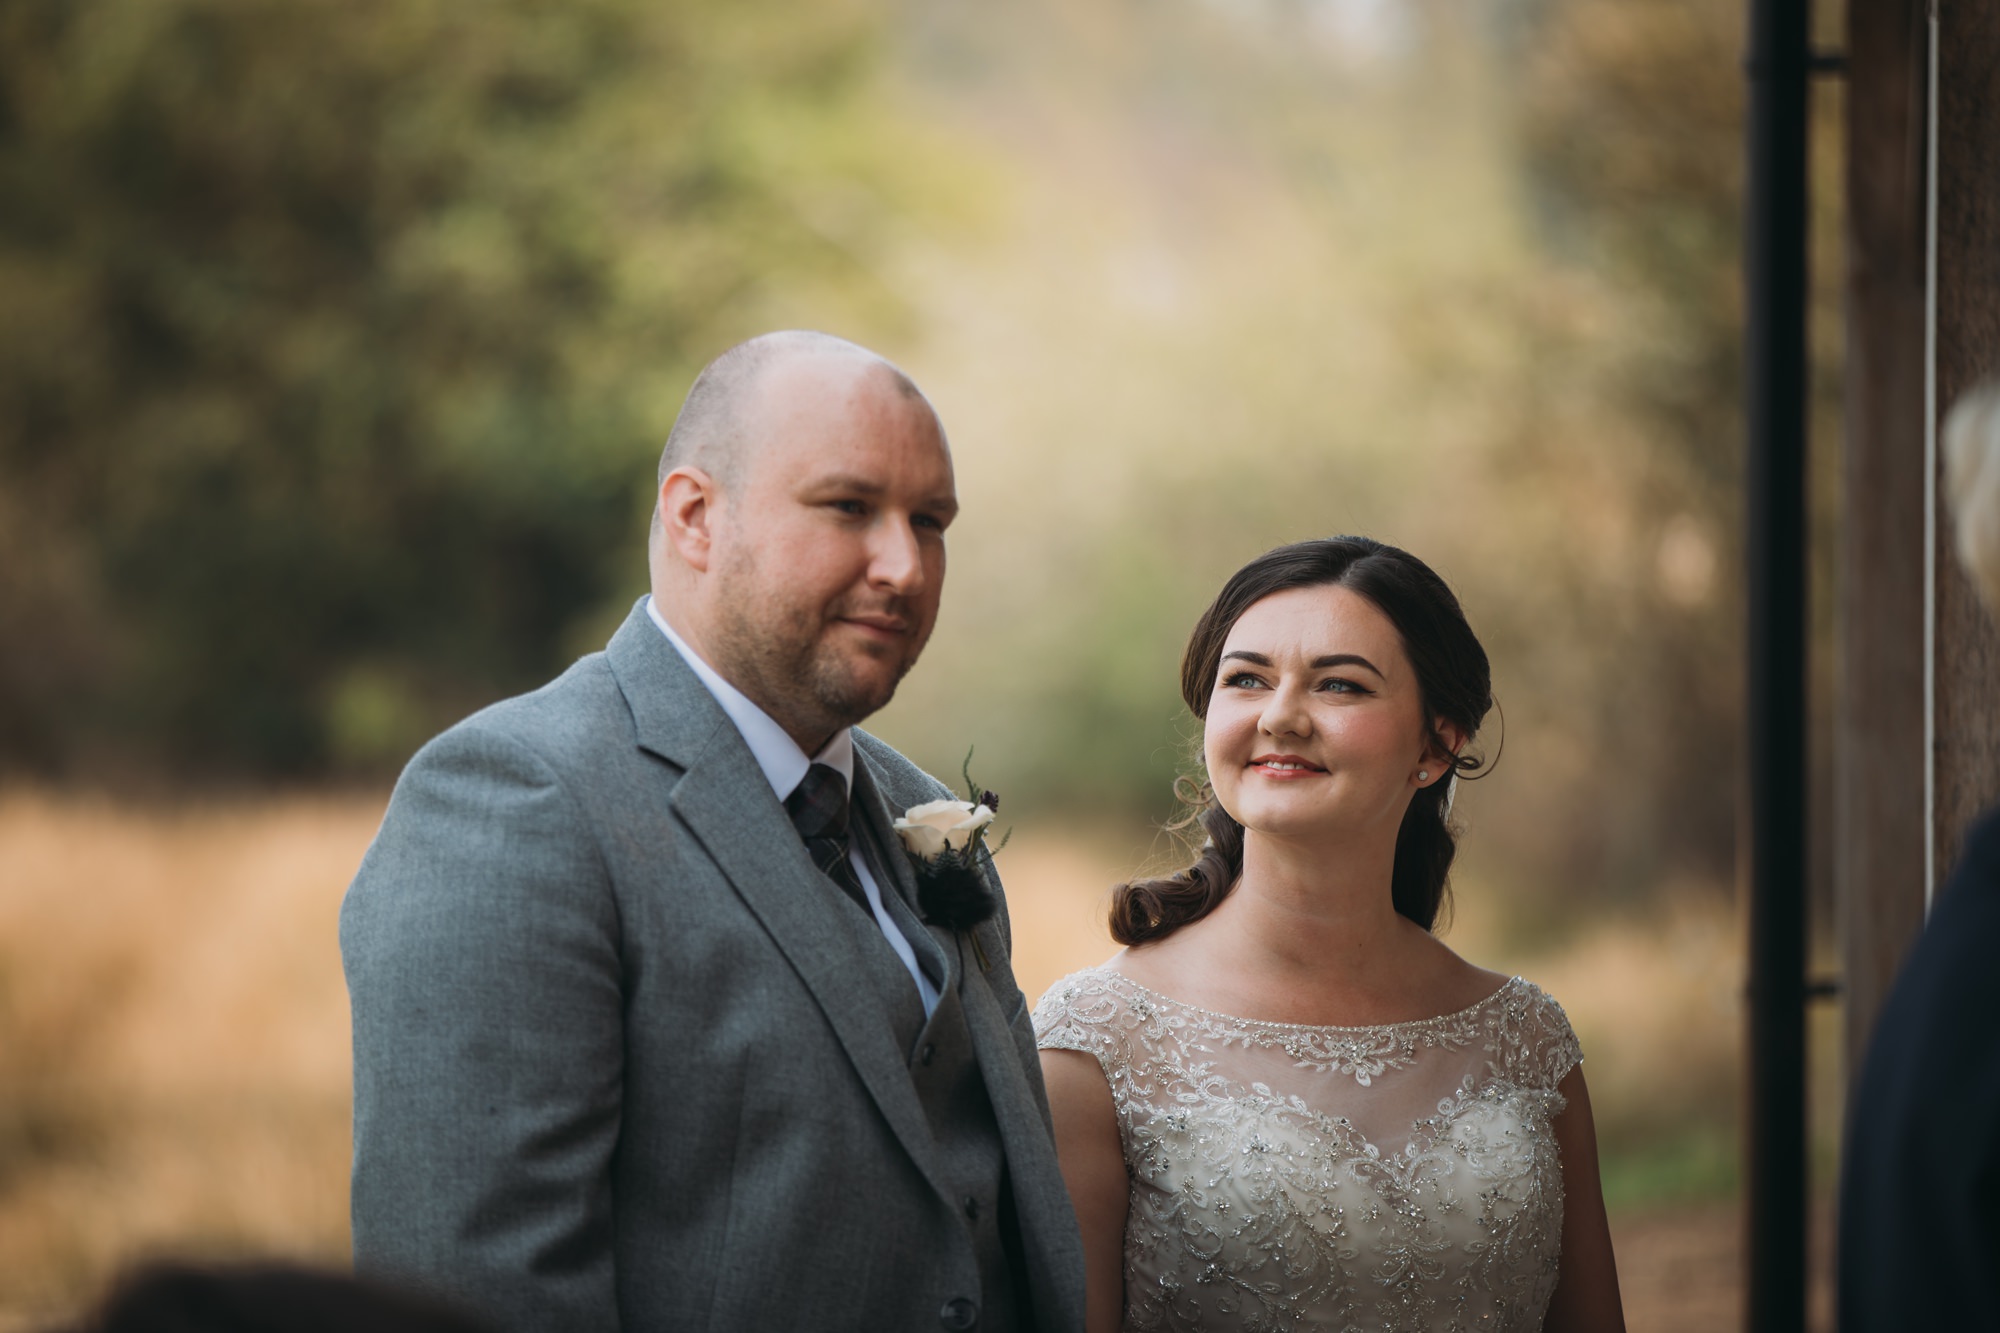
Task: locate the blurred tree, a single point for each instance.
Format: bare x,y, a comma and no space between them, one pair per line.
1633,136
1633,118
335,337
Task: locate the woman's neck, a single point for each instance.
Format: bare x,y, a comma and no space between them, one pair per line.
1307,907
1309,934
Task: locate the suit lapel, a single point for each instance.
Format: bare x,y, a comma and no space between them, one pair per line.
936,949
1041,1200
724,801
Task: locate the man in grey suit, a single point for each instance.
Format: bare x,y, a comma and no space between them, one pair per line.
649,1032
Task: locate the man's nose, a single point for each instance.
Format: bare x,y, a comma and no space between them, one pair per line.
896,558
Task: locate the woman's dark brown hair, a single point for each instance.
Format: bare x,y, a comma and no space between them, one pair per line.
1454,683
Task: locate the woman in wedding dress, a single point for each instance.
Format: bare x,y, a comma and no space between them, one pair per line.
1286,1104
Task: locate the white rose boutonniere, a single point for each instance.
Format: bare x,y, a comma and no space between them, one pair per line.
935,827
946,842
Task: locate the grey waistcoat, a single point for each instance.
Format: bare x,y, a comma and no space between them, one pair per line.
945,1072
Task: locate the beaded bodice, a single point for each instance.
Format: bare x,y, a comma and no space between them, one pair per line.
1289,1177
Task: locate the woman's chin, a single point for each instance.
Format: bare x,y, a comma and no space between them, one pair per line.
1271,819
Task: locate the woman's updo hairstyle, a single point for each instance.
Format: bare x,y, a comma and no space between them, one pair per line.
1454,683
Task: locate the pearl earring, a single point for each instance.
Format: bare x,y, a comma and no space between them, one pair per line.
1423,775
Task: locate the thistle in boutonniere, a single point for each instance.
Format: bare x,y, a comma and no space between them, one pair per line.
946,842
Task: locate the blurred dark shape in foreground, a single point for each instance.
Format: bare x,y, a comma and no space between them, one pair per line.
264,1298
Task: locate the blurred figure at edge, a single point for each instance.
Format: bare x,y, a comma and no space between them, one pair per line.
1920,1176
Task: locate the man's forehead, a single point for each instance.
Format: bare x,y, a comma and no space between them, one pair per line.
806,405
827,378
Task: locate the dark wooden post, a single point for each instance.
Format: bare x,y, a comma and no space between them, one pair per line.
1774,289
1967,680
1879,782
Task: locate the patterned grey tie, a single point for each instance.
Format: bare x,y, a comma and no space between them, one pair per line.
818,807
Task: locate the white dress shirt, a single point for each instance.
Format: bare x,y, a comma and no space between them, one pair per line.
785,765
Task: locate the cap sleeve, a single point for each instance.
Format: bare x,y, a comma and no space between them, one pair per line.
1545,1048
1083,1013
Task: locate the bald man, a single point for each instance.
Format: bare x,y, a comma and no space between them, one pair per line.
650,1029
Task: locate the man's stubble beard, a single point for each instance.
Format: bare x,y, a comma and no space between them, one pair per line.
777,655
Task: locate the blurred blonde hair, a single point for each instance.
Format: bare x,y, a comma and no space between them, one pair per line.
1972,484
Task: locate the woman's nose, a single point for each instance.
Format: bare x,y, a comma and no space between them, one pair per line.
1284,714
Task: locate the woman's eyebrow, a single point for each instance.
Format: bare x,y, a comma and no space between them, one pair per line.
1346,659
1330,660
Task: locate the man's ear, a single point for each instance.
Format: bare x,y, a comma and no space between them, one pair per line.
687,507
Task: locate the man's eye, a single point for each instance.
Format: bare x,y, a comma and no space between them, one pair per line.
855,508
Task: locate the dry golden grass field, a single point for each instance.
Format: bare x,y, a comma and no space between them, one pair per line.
174,1039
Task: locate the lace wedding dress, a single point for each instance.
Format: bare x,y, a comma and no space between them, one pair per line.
1400,1177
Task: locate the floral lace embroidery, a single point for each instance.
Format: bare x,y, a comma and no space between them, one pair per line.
1289,1177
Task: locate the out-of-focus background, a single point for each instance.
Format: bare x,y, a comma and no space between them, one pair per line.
337,342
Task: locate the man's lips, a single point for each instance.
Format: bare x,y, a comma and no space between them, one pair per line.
881,626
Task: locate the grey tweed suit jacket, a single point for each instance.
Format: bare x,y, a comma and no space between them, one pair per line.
613,1066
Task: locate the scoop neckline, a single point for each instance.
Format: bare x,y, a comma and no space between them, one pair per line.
1509,984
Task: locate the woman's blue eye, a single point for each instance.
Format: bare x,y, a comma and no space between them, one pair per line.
1241,680
1339,686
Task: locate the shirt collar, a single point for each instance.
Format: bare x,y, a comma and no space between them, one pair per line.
783,762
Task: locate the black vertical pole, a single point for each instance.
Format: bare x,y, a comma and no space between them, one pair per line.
1775,395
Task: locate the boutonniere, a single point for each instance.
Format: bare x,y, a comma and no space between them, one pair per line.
946,842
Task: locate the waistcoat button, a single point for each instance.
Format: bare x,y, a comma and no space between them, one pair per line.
958,1314
927,1054
971,1206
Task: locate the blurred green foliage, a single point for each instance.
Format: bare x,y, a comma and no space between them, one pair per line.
336,342
335,339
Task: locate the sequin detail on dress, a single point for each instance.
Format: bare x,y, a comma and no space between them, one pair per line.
1289,1177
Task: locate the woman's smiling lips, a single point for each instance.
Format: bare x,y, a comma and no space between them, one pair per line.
1285,766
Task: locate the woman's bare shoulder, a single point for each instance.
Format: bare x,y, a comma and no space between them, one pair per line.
1456,982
